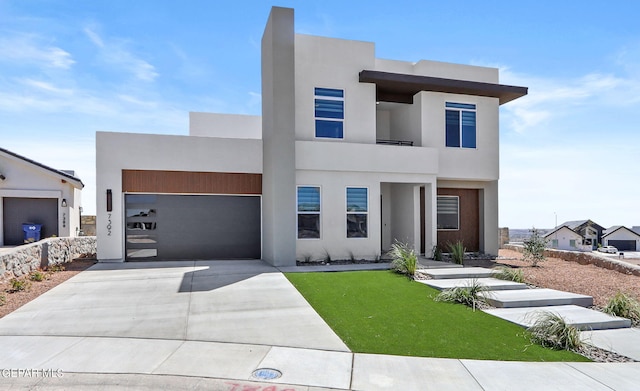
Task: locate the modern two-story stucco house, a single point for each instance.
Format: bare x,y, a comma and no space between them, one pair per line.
351,153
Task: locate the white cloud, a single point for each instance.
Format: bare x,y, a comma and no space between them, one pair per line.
548,97
48,87
32,49
114,52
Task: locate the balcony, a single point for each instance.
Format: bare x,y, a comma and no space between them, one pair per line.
401,143
383,158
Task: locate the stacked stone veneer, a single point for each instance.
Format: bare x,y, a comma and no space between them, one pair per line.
24,259
586,258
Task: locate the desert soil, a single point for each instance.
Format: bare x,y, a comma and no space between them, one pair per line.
15,300
590,280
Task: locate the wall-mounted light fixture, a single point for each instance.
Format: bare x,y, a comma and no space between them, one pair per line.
2,177
64,203
109,201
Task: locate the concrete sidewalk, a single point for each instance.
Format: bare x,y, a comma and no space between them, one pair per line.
211,325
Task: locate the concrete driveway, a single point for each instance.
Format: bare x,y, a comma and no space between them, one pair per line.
212,324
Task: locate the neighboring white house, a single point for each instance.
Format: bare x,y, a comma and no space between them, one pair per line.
564,238
31,192
621,238
351,153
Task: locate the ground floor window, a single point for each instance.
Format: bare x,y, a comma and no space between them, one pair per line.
308,212
357,212
448,212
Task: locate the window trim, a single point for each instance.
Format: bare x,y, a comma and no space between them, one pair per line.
319,212
457,214
460,108
330,98
347,212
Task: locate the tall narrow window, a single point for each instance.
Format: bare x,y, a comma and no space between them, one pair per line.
448,212
460,125
357,212
308,212
329,112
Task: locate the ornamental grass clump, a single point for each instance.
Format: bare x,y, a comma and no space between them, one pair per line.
19,285
457,251
552,331
509,274
625,306
472,295
405,259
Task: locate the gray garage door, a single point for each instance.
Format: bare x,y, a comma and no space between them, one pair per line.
28,210
166,227
623,245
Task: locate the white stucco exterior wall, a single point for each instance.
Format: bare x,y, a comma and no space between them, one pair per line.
26,180
335,63
564,236
118,151
225,125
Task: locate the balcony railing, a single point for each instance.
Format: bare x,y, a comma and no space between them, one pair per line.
395,142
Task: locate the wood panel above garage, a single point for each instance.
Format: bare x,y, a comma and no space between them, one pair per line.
188,182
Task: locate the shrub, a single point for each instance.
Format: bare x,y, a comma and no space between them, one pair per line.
470,295
457,252
534,248
552,331
37,275
623,305
19,285
327,257
509,274
436,254
405,259
56,268
3,299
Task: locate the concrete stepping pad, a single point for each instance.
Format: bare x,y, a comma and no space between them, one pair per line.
464,272
580,317
536,298
493,284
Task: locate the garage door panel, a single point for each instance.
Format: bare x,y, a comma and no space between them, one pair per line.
17,211
199,227
623,245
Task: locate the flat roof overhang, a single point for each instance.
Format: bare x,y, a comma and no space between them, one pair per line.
400,87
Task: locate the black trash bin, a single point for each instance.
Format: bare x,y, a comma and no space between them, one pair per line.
31,232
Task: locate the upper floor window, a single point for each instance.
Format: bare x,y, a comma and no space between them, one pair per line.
308,212
357,212
460,125
329,112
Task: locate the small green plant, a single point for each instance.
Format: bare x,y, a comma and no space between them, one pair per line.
457,250
509,274
472,294
534,248
625,306
3,299
436,253
19,285
327,257
56,268
404,258
307,258
552,331
37,275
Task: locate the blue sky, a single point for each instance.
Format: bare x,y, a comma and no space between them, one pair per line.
569,149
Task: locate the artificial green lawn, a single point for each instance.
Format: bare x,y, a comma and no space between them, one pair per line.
386,313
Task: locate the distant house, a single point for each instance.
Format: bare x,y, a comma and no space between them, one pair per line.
31,192
564,238
621,238
590,231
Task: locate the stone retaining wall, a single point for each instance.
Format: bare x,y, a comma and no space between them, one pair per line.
52,251
585,258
